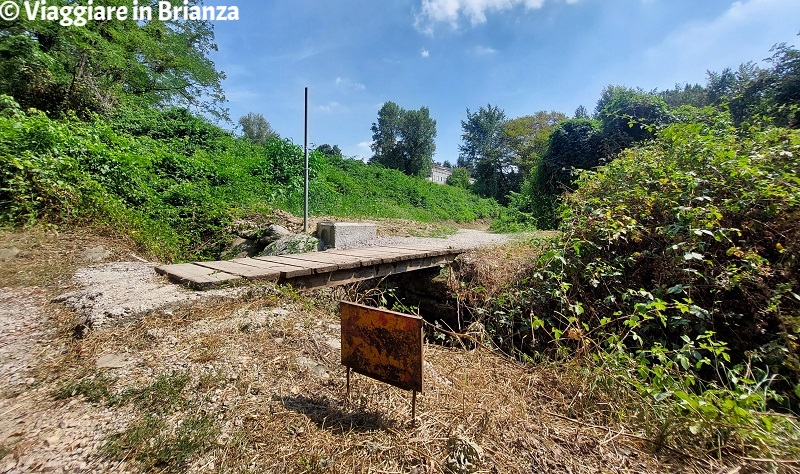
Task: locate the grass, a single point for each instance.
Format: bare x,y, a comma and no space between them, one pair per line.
254,409
176,197
93,388
152,442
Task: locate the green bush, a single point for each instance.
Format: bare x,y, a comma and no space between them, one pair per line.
175,182
694,234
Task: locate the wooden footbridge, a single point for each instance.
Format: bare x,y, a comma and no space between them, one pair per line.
315,269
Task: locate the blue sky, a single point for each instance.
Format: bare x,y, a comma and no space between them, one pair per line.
450,55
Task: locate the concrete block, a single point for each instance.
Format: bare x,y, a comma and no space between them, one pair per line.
345,235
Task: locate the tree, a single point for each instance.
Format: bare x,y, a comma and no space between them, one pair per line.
581,113
785,96
385,135
526,138
627,116
686,94
459,178
331,151
105,64
256,128
447,164
404,139
574,145
484,152
417,145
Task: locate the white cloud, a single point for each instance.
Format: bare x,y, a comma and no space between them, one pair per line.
329,107
451,11
424,53
484,50
348,84
363,150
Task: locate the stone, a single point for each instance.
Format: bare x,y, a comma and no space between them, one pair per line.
54,438
297,243
345,235
465,455
334,344
112,361
241,248
96,254
273,233
314,367
9,253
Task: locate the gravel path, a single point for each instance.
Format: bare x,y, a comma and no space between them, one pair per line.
464,238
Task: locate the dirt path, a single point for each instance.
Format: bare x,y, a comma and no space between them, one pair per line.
463,238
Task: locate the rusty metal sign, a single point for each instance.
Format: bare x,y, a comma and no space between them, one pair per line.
384,345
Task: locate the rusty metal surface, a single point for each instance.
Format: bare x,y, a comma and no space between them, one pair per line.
381,344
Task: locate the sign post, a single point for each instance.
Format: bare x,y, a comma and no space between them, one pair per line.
384,345
305,148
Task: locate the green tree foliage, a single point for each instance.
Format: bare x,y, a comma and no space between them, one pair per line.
330,151
417,142
484,151
573,145
404,139
385,133
256,128
178,127
527,137
627,116
459,178
785,93
685,94
96,67
581,113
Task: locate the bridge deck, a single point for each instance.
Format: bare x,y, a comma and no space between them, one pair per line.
315,269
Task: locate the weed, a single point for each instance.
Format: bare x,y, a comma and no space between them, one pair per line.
155,446
95,388
164,395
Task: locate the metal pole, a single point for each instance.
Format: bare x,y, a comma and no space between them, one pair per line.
305,147
413,407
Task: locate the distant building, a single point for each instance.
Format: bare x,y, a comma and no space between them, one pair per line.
439,174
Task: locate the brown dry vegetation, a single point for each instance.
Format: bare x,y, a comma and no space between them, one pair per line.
254,384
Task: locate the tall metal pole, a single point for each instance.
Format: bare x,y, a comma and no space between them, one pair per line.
305,147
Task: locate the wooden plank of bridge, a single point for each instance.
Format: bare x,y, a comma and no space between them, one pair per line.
384,254
197,276
242,269
326,260
312,266
315,269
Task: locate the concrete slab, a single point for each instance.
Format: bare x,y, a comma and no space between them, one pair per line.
345,235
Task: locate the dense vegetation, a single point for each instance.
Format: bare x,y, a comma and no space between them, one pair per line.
404,139
676,276
96,67
175,181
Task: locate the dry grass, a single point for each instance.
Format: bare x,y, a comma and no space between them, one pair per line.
274,414
259,388
48,257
